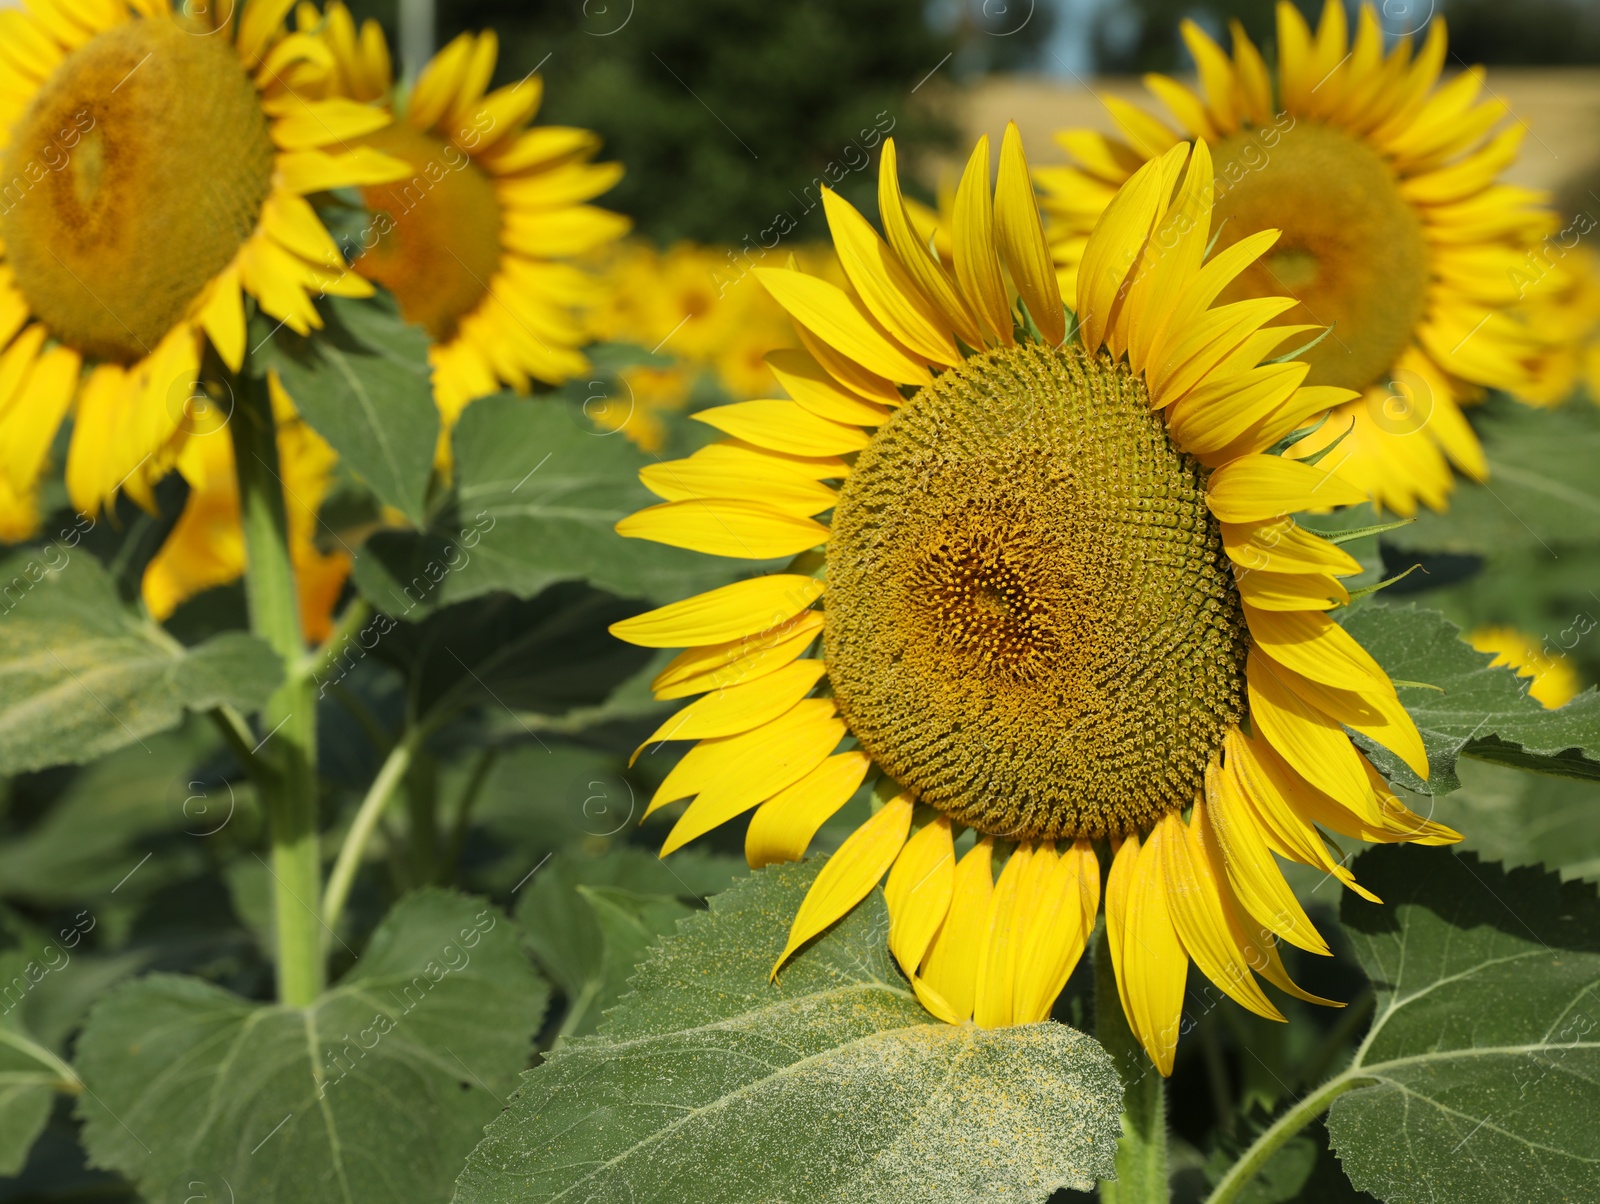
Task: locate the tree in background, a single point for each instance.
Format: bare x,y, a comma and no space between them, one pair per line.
726,111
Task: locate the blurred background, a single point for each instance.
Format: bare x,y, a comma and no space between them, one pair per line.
723,109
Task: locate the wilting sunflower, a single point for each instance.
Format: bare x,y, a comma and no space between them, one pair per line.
1063,607
206,547
473,241
155,170
1395,231
1552,680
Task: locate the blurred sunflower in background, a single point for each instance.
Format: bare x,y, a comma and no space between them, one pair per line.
1552,681
156,165
476,241
1062,603
1396,234
702,307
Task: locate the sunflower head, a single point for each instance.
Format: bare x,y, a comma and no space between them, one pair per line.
1397,237
477,239
156,163
1061,611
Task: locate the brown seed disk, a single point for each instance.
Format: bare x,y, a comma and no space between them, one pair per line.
1030,621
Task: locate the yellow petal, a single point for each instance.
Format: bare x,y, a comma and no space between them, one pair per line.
931,275
997,961
976,261
738,708
813,387
851,873
1280,546
756,479
741,609
1021,237
720,762
696,670
725,527
885,287
951,969
784,426
1292,591
834,316
1312,744
784,825
1056,933
1257,487
1114,247
1314,646
919,891
1154,963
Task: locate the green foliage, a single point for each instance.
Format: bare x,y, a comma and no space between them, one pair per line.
718,1085
730,112
372,1094
365,385
538,490
81,676
589,920
27,1084
1541,492
1479,1079
1467,708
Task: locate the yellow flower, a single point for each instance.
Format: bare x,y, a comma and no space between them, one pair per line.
473,242
701,306
155,170
206,547
1062,603
1554,683
1395,231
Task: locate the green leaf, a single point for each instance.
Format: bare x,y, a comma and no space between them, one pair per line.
27,1083
365,384
1541,489
708,1083
538,492
81,676
547,654
374,1094
1482,712
589,920
1481,1071
1525,818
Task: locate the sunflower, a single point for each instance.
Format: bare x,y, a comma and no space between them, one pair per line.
156,165
206,546
1551,680
1397,237
473,241
1063,607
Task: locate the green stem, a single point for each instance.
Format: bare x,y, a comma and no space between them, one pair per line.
469,796
350,623
354,848
289,749
1282,1129
68,1081
1142,1149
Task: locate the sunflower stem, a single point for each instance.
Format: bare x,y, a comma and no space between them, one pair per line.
287,755
1285,1127
1142,1149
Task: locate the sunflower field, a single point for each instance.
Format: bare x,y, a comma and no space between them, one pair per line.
743,603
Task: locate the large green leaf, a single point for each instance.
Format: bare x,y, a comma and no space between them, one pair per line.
711,1084
1479,1080
27,1082
364,383
1525,818
1541,489
80,675
374,1094
1465,708
589,920
545,655
538,491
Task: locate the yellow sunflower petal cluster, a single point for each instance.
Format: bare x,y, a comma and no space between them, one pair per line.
476,241
206,547
156,164
1552,680
701,306
1398,236
1049,586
